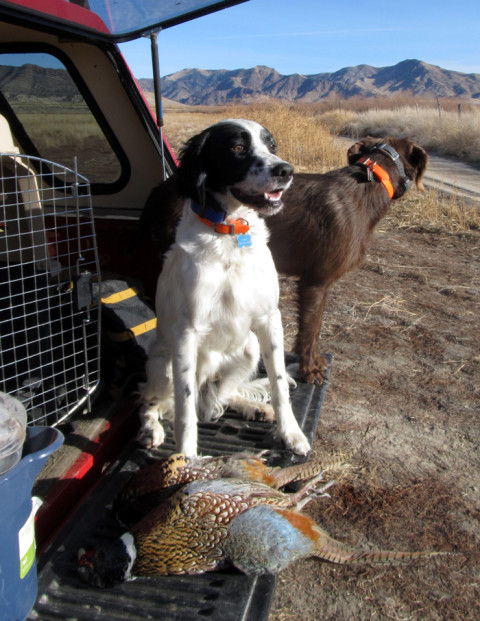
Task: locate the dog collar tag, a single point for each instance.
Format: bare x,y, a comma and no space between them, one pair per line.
244,241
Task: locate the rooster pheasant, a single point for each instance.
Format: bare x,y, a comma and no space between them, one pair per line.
213,522
154,483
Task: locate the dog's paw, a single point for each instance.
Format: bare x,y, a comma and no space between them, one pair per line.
265,412
296,442
259,411
151,434
314,371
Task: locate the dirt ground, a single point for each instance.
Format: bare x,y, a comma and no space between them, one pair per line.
404,395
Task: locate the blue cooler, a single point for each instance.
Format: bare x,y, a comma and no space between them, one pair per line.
18,571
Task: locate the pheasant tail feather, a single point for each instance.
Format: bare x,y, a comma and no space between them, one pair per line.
334,551
325,547
301,472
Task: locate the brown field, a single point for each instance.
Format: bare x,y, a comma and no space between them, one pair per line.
403,397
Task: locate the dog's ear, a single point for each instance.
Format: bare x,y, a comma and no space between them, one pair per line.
191,173
355,151
360,148
418,159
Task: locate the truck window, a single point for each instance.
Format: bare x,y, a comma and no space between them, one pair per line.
53,116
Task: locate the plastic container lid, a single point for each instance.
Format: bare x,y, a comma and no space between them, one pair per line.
13,424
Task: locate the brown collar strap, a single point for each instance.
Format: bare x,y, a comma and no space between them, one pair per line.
381,174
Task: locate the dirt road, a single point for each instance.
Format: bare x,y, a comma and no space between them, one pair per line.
452,175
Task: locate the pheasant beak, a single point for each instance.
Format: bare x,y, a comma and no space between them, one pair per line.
85,558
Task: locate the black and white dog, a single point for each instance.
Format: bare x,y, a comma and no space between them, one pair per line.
217,295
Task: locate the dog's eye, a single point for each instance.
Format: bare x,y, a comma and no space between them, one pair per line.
239,148
272,147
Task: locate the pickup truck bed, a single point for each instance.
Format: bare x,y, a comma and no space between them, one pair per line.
224,595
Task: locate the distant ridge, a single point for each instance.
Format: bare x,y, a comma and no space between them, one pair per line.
216,87
29,82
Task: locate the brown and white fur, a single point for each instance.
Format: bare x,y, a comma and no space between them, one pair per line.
322,233
216,302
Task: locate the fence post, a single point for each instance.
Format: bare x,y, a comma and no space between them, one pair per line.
459,110
439,109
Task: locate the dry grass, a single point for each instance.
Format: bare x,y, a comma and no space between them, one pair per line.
302,137
63,127
434,210
55,133
446,132
307,140
180,125
432,513
338,120
358,104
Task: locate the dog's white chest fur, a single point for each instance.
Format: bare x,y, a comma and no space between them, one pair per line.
223,290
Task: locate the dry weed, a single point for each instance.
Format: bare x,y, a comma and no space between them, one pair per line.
179,125
389,304
338,121
364,512
396,101
434,210
303,139
445,132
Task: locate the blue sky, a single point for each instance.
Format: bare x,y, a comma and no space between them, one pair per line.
316,36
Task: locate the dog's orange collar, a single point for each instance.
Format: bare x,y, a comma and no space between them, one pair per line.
379,173
231,227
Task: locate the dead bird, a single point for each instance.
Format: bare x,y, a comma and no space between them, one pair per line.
210,524
154,483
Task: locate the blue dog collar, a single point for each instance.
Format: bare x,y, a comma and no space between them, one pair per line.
209,214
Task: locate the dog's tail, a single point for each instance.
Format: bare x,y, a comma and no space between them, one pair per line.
255,390
259,389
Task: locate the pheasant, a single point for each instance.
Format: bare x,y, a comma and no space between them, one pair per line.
210,524
154,483
180,469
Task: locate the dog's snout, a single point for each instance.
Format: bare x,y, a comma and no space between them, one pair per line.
283,170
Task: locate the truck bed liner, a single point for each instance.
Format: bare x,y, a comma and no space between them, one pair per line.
222,595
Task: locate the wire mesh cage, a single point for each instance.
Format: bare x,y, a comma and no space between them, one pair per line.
49,323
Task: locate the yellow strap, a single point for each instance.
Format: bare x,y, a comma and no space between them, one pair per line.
122,337
119,297
144,327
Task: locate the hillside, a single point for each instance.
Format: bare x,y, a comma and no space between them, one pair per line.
31,82
214,87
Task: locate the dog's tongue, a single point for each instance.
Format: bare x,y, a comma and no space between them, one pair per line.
273,196
267,203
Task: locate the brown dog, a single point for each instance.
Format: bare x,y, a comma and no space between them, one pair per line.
324,228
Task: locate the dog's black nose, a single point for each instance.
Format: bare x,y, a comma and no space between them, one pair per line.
282,170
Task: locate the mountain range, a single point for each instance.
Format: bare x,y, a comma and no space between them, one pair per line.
216,87
413,77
